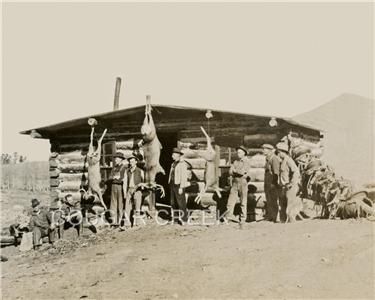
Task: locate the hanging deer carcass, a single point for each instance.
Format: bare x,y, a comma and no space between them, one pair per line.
151,148
211,176
93,159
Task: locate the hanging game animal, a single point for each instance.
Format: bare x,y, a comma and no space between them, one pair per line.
151,148
93,159
211,175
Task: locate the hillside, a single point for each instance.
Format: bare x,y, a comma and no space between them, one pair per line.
348,125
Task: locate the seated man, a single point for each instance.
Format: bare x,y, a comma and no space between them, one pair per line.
41,224
20,226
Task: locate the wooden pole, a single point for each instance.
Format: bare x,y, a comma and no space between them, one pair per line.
117,94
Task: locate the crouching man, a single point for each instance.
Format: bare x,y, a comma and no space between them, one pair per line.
41,224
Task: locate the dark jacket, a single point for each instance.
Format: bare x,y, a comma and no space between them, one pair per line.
41,219
137,175
272,170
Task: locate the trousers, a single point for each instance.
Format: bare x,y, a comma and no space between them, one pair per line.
286,195
238,192
117,204
39,233
272,196
178,202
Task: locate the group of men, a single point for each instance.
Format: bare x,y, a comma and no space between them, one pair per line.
129,192
281,182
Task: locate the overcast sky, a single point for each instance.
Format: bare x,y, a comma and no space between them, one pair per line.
60,61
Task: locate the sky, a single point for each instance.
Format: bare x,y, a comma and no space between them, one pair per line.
60,60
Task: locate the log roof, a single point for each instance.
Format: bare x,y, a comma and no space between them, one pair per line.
168,118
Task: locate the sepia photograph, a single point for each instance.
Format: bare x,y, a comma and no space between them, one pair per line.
187,150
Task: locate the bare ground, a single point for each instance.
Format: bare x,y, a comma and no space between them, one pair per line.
310,259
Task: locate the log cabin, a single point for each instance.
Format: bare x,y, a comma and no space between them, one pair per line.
176,126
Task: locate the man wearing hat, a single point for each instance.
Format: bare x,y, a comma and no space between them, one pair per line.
289,178
135,177
118,182
178,181
239,171
41,224
271,178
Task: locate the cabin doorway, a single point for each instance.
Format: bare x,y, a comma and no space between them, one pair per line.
168,142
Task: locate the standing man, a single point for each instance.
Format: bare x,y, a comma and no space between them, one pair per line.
41,224
118,191
289,178
271,179
178,181
135,177
239,171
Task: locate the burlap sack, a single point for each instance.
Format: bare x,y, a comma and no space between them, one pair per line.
26,242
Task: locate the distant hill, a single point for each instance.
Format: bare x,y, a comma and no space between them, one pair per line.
348,125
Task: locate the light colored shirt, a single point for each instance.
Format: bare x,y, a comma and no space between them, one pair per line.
240,167
289,172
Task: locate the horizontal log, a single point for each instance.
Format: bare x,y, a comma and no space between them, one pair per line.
73,160
73,186
72,176
72,168
54,173
196,163
257,161
75,195
188,153
53,163
229,140
54,182
127,153
53,155
195,140
54,193
7,240
253,151
65,146
257,174
72,157
126,145
77,154
261,138
258,185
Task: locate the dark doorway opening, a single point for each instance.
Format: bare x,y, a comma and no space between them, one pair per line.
168,141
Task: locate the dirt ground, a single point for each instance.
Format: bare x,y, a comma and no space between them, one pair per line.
309,259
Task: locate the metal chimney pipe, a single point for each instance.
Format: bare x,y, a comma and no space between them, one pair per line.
116,101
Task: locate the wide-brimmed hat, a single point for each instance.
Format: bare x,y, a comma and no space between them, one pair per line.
282,147
133,156
268,146
176,150
242,148
34,202
120,155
